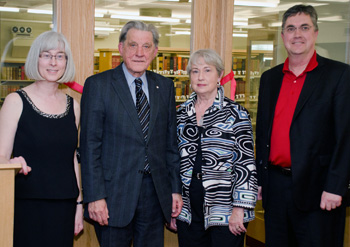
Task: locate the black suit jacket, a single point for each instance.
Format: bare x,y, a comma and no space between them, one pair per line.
113,148
319,133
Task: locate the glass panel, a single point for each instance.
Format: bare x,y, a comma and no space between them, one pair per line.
173,20
20,23
257,44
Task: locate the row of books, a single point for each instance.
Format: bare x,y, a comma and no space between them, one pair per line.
182,88
166,64
239,66
169,64
240,86
7,89
116,60
13,73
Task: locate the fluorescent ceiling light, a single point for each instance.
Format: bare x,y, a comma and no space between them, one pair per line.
8,9
262,47
182,32
40,11
240,23
181,16
104,29
115,12
331,18
253,26
272,4
180,29
244,35
275,24
240,19
146,18
118,12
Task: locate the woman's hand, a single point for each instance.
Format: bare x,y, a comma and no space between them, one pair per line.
236,221
79,224
20,160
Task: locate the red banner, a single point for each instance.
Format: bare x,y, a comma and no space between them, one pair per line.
227,78
75,86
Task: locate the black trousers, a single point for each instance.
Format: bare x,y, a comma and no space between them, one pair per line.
195,235
287,226
146,228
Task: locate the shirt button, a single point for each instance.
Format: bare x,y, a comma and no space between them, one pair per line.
295,81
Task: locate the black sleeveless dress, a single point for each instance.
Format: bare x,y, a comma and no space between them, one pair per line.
45,199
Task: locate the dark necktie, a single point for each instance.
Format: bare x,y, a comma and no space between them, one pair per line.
143,111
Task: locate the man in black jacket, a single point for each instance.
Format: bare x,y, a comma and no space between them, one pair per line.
302,140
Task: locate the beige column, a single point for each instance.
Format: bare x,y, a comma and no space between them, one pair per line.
75,19
211,27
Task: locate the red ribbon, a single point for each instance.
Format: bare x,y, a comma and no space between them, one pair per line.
75,86
230,77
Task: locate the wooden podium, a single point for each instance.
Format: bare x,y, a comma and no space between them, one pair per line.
7,201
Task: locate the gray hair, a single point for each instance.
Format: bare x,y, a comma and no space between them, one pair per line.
139,25
46,41
298,9
209,56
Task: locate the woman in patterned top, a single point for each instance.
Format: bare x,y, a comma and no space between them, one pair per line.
39,130
215,140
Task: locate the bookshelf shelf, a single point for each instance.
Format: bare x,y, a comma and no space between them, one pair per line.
12,77
176,76
16,82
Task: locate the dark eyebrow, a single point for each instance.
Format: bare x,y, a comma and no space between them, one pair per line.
302,25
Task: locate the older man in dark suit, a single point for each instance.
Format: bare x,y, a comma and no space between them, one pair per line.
303,140
129,155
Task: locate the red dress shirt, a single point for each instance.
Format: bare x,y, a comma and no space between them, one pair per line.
285,107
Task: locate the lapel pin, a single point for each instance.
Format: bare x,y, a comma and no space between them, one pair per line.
157,87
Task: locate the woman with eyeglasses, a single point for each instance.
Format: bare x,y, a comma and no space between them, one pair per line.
39,130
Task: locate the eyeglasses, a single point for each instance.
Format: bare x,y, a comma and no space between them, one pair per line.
303,28
134,46
59,56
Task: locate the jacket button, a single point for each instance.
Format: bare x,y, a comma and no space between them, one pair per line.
267,145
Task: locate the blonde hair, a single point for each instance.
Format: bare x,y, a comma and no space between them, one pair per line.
209,56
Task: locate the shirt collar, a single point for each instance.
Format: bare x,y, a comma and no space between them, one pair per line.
311,65
130,79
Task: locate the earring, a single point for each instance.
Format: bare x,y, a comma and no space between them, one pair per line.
218,84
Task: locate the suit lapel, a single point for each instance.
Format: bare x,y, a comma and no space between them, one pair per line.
121,87
153,90
274,87
311,81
